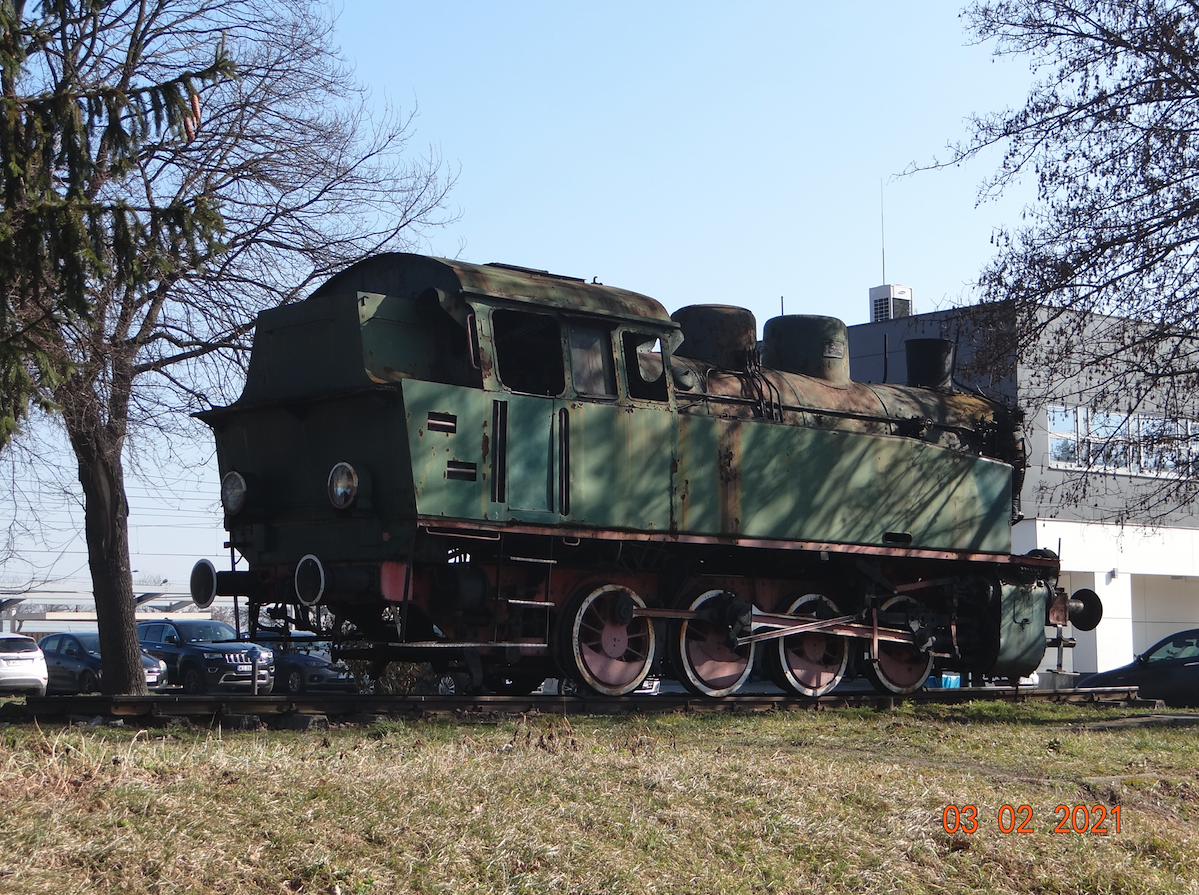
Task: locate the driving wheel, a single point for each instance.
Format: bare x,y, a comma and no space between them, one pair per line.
610,650
810,663
899,668
706,663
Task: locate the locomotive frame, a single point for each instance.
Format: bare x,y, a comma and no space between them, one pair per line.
536,476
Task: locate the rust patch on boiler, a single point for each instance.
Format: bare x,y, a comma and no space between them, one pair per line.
728,471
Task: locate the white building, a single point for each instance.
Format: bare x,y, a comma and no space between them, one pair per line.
1145,567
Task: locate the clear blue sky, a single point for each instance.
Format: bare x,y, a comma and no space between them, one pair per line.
701,151
695,152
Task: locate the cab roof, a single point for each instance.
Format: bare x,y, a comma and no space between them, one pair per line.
402,274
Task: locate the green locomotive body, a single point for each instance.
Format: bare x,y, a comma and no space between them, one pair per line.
536,476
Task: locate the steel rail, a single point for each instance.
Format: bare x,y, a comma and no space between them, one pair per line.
370,707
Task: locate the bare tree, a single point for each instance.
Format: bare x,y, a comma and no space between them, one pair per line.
296,179
1099,283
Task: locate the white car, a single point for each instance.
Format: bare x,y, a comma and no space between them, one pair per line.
22,666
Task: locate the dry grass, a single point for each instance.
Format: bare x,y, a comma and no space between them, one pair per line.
847,801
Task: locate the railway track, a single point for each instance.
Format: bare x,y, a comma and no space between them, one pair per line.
313,710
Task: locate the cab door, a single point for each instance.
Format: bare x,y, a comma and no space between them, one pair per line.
527,445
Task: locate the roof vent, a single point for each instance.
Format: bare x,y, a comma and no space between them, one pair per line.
889,302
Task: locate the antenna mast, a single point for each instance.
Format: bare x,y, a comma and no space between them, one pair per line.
882,226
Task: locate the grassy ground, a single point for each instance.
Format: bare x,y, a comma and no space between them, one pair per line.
836,801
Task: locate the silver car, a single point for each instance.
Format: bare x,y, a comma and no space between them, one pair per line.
22,666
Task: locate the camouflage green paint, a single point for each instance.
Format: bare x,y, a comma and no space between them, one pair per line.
441,459
620,465
1021,629
286,458
710,469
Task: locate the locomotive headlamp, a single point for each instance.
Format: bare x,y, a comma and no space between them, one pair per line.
233,493
343,485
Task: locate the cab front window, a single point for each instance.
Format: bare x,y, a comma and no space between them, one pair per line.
644,369
591,361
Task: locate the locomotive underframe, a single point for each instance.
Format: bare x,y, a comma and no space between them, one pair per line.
512,605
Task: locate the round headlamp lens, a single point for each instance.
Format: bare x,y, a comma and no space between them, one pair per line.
343,485
233,493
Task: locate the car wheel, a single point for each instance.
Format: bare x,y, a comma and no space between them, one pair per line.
454,684
87,682
193,680
294,681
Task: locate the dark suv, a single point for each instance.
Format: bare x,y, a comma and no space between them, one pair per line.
203,655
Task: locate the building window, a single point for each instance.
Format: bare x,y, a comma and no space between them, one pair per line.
1114,442
1165,446
1063,437
1111,440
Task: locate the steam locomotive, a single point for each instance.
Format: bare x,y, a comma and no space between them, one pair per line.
527,475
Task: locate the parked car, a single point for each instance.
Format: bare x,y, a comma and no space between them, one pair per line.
203,655
302,665
22,666
73,664
1168,670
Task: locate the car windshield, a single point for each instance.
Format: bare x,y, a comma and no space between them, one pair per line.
17,645
206,632
1181,646
308,649
90,642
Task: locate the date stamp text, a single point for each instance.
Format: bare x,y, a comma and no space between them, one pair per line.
1100,819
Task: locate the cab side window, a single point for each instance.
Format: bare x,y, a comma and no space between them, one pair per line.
644,369
591,361
528,349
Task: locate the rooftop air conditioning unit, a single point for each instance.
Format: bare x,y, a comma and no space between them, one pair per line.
889,302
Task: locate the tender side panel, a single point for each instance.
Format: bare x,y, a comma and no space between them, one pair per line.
694,489
531,458
499,457
725,476
766,480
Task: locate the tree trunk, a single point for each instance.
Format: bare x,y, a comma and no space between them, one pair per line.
98,448
106,525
